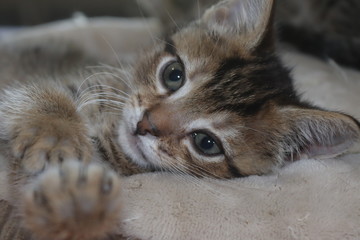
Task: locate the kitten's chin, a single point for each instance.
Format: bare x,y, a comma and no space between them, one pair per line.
129,144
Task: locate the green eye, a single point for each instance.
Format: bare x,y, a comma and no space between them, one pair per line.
205,144
173,76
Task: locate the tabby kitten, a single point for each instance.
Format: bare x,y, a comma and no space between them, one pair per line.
213,100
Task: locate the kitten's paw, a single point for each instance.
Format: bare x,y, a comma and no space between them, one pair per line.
73,201
42,143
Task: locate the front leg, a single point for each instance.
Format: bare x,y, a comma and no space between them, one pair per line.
59,193
41,127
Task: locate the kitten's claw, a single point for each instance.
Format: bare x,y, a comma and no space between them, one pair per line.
73,201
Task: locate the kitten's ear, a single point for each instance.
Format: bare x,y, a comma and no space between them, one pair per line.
317,133
251,20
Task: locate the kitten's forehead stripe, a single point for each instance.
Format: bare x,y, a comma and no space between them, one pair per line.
228,65
244,86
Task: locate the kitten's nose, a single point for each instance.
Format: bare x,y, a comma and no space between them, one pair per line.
146,126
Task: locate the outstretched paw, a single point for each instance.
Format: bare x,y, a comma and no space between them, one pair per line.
46,143
73,201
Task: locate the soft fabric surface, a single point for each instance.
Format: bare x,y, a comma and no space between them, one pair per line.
308,199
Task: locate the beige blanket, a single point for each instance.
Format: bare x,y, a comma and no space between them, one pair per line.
309,199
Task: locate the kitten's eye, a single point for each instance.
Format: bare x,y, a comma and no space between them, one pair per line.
173,76
206,144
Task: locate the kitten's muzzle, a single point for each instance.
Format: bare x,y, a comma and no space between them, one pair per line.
159,120
146,126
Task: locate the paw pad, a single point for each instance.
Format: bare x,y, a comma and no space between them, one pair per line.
73,201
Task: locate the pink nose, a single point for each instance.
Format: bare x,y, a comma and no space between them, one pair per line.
146,126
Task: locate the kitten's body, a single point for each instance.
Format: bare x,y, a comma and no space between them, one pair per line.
213,100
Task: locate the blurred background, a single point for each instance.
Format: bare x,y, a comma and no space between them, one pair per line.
324,28
32,12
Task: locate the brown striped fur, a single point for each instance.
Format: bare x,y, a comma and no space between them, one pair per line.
64,145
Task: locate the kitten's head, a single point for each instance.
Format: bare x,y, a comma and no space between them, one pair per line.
215,100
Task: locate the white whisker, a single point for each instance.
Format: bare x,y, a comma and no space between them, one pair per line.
147,28
93,101
112,49
106,87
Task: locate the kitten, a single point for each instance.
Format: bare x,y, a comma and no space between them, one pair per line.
213,100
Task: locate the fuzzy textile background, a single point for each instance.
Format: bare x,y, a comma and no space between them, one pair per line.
308,199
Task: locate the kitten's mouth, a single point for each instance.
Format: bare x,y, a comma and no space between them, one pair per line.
133,146
138,147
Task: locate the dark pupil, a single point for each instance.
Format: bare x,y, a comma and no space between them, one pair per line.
207,143
175,75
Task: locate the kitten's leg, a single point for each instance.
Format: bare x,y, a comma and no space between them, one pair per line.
43,131
74,201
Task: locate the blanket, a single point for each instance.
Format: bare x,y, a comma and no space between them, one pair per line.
307,199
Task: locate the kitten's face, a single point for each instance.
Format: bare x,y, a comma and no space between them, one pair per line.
214,100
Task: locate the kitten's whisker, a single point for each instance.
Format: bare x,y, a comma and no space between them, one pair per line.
87,79
123,69
201,184
82,83
94,94
172,19
127,83
109,74
112,49
97,95
102,87
116,109
147,28
111,110
104,94
115,112
122,79
91,98
126,72
173,168
106,89
201,170
107,96
183,176
182,173
103,101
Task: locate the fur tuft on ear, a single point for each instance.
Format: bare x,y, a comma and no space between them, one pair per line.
249,19
316,133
